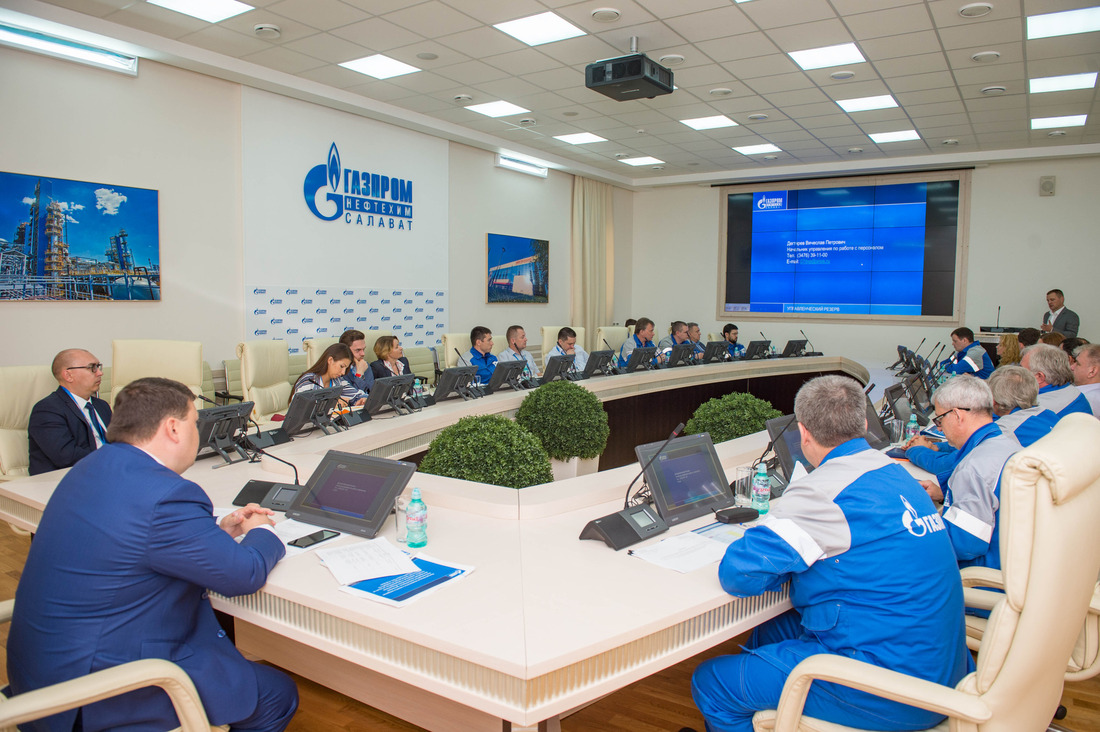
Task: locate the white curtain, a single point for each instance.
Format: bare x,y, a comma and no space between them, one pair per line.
592,259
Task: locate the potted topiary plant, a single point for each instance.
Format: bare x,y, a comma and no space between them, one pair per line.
732,416
488,449
571,424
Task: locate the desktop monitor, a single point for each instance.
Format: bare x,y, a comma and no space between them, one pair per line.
681,354
716,351
556,368
506,373
794,348
600,362
787,442
876,432
351,493
757,349
899,404
220,428
686,479
389,391
311,407
918,395
457,380
640,358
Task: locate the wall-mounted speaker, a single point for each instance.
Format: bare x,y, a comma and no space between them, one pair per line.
1046,185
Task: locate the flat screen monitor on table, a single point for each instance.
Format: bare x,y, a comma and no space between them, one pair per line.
599,362
557,367
640,358
389,391
220,428
351,493
716,351
457,381
794,348
506,373
682,354
757,349
686,479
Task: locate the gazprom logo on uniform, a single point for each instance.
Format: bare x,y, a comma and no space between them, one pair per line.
361,197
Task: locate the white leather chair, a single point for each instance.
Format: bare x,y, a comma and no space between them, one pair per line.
20,388
104,684
422,361
451,341
136,359
550,337
314,347
1050,557
265,366
296,365
615,335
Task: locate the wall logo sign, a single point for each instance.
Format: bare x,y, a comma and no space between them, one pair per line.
360,197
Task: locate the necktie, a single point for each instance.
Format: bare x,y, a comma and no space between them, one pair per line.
95,421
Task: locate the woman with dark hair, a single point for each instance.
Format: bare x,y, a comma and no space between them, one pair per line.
329,371
391,358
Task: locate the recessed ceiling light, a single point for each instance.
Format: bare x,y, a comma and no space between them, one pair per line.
975,10
950,141
709,123
267,31
460,98
855,150
212,11
379,66
756,149
820,58
527,122
1056,133
427,56
621,155
570,113
1045,123
671,59
899,136
535,30
641,161
720,92
993,91
1085,20
606,15
1062,83
497,109
842,75
66,48
985,57
580,138
758,117
864,104
658,167
771,157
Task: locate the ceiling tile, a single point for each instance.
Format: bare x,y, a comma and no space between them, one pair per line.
708,24
524,61
918,82
1079,64
336,76
472,72
732,48
909,44
432,19
320,14
291,30
98,8
850,7
857,90
508,88
1084,43
751,68
928,96
892,22
377,34
222,40
945,13
380,7
497,11
154,19
911,65
935,109
991,74
979,34
562,77
580,51
328,47
780,82
778,13
810,35
674,8
283,59
802,96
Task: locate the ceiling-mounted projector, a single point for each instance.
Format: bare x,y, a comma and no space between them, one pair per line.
628,77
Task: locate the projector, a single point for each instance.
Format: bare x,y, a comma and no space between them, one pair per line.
628,77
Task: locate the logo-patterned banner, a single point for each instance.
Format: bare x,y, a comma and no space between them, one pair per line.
293,314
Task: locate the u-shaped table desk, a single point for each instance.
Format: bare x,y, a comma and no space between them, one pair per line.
546,623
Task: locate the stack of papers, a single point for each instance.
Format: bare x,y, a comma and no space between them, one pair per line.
381,572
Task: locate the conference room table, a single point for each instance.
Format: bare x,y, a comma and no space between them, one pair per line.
546,623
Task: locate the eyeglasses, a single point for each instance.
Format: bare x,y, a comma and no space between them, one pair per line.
938,419
93,367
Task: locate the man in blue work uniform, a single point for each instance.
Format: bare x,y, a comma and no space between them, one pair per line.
643,336
1053,374
729,332
969,357
481,353
872,577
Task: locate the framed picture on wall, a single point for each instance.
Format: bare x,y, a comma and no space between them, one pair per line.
69,240
518,269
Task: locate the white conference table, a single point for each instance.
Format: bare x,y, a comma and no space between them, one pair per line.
545,624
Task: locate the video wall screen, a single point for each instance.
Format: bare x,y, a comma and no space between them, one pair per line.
882,246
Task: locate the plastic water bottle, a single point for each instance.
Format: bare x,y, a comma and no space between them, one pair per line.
912,429
416,521
761,490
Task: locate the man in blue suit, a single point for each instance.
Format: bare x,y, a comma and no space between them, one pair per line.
70,423
119,571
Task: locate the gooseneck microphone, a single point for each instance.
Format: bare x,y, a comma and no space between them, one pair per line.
206,399
807,339
771,442
261,451
460,358
675,433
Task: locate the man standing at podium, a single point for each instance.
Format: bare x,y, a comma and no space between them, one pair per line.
71,422
1059,318
872,575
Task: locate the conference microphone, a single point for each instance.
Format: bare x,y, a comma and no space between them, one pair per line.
922,340
261,451
460,358
675,433
771,442
614,366
998,317
206,399
812,349
931,350
869,388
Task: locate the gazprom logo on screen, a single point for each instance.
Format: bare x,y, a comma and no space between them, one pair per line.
361,197
770,201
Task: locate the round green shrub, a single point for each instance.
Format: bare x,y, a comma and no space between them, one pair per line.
732,416
488,449
567,419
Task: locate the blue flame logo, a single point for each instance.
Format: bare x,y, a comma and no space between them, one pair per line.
334,167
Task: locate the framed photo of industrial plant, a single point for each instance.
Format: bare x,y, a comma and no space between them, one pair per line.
518,269
68,240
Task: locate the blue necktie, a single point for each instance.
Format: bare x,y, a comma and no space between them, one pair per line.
95,421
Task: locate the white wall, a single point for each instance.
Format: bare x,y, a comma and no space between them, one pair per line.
170,130
1021,245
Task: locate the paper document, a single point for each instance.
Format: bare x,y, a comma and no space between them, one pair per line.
428,575
684,552
366,560
725,533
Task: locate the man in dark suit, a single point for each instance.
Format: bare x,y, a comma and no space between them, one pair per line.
70,423
119,571
1060,319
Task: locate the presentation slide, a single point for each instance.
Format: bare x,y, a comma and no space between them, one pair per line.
852,250
347,491
688,478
